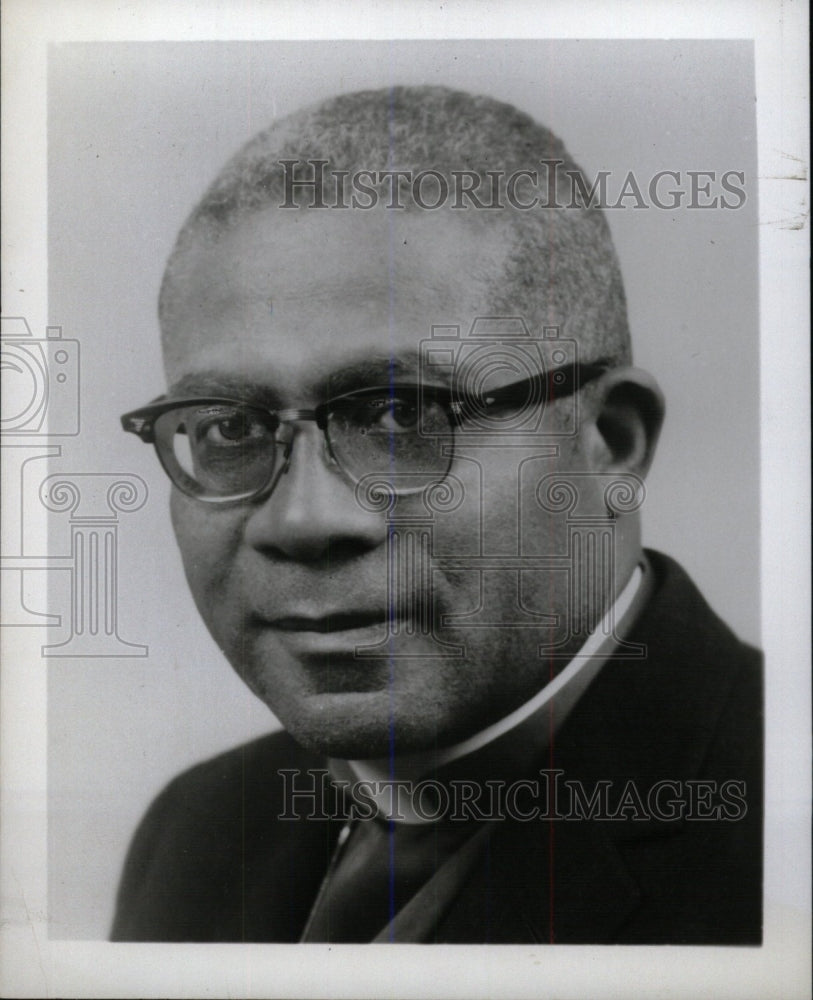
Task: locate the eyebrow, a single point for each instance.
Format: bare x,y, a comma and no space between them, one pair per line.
212,383
377,370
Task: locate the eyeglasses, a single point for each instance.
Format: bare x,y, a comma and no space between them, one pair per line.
222,450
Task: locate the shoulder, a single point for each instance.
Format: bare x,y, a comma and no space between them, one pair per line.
189,856
679,610
688,646
679,676
682,718
250,766
699,661
247,783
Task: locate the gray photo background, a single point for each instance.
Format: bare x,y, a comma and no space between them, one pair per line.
136,131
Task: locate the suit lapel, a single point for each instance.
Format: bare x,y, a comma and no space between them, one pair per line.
538,882
566,881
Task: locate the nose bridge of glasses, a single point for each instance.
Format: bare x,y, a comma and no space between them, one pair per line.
293,416
287,431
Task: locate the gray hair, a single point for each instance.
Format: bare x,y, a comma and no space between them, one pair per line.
562,268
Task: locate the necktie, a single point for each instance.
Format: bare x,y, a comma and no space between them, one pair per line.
375,873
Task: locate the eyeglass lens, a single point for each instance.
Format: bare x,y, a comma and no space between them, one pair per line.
221,450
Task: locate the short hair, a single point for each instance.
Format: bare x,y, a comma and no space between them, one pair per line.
562,268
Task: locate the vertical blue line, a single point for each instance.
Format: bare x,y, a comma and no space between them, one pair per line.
391,611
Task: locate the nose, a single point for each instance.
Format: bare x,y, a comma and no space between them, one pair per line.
312,514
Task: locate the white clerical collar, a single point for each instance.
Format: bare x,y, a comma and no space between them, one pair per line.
568,685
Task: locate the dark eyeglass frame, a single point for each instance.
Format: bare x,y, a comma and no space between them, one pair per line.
541,388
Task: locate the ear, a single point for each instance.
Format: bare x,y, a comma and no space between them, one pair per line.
628,416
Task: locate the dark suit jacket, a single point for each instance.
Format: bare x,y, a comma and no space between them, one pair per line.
211,861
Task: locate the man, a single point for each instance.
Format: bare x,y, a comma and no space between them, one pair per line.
408,450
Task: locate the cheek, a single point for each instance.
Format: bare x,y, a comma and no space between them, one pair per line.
208,540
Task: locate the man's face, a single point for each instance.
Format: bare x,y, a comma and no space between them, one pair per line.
291,585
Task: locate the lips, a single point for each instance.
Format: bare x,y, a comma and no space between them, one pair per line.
339,621
341,651
322,643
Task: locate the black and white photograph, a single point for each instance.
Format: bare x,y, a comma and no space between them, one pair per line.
386,522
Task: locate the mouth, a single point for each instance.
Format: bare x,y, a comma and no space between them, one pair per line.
327,647
343,651
339,621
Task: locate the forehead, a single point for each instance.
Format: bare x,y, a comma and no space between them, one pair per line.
287,297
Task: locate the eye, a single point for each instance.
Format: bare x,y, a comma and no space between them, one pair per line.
225,428
397,414
232,429
387,414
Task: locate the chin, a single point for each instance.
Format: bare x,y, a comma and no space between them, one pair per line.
365,715
346,742
357,727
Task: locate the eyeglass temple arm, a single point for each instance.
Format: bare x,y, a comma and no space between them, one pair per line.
573,378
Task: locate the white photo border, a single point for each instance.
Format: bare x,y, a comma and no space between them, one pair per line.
34,965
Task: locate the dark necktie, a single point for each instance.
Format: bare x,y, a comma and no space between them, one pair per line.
376,871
